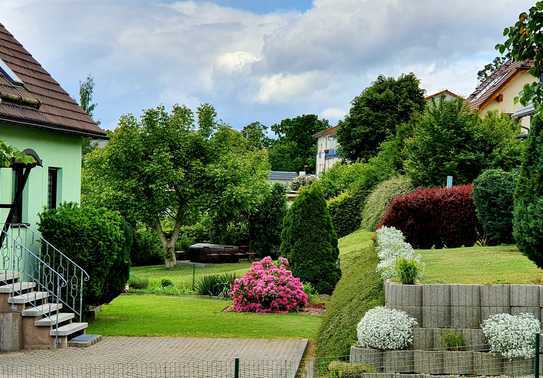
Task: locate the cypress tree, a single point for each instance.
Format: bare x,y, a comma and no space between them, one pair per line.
309,241
528,199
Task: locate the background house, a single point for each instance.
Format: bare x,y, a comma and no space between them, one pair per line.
36,113
327,146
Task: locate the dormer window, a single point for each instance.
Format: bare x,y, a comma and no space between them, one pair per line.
9,74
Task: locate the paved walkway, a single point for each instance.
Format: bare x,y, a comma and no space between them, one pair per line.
160,357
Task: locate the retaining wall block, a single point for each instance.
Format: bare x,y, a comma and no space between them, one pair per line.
458,362
487,364
423,339
428,362
486,312
535,311
397,294
465,316
11,332
436,316
465,295
373,357
377,375
410,375
495,295
514,368
525,295
475,340
436,295
413,311
398,361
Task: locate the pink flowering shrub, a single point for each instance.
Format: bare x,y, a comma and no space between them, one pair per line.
268,287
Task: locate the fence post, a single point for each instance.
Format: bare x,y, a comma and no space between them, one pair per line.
236,368
193,274
536,359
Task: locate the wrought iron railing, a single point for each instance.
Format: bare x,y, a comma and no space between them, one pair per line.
20,265
72,293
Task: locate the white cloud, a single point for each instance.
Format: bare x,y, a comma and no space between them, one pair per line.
234,61
333,114
284,87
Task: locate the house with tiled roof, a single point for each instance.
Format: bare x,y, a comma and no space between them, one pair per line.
37,114
327,147
498,91
445,93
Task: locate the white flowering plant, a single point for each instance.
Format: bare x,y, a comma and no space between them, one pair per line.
386,329
512,336
391,246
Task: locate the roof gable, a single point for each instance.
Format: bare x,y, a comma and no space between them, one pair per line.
39,100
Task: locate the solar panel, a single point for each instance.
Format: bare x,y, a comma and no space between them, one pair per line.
4,68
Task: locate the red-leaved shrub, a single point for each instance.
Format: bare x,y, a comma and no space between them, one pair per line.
435,217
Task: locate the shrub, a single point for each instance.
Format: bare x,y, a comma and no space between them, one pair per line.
268,287
215,285
345,211
436,217
310,242
300,182
378,200
391,248
453,340
147,249
342,369
95,238
408,270
266,223
386,329
138,283
528,198
493,197
165,282
310,291
512,336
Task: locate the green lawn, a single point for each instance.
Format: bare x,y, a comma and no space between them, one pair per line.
181,275
485,265
194,316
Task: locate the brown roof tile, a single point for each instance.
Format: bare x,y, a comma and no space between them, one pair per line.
40,101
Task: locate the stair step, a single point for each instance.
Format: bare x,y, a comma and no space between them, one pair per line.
68,329
28,297
52,319
16,287
43,309
9,276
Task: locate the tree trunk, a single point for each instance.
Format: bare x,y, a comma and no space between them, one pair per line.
169,254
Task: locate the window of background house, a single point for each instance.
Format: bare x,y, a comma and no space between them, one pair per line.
52,188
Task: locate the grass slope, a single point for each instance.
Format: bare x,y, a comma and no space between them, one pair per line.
194,316
481,265
359,290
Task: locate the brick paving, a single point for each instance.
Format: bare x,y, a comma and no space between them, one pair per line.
160,357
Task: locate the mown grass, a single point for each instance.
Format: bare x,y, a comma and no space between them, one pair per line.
359,290
195,316
481,265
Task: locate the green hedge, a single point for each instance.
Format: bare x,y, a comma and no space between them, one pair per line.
493,197
359,290
147,249
97,239
345,210
380,198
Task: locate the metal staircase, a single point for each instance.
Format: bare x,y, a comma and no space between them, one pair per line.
42,284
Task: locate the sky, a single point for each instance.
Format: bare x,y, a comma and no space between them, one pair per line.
256,60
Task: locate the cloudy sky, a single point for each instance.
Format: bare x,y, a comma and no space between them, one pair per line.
256,60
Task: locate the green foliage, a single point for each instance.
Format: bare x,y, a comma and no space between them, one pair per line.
528,198
312,294
215,285
523,41
359,290
266,223
146,249
378,200
375,114
490,68
166,282
407,270
345,210
256,135
295,147
8,155
342,369
97,240
453,340
448,138
302,181
138,283
340,178
493,197
309,241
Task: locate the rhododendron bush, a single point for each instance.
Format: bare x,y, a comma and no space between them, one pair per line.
268,287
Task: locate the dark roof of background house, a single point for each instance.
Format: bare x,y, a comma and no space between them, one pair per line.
39,100
496,81
328,131
282,176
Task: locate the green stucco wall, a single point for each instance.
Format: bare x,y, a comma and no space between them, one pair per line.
56,150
